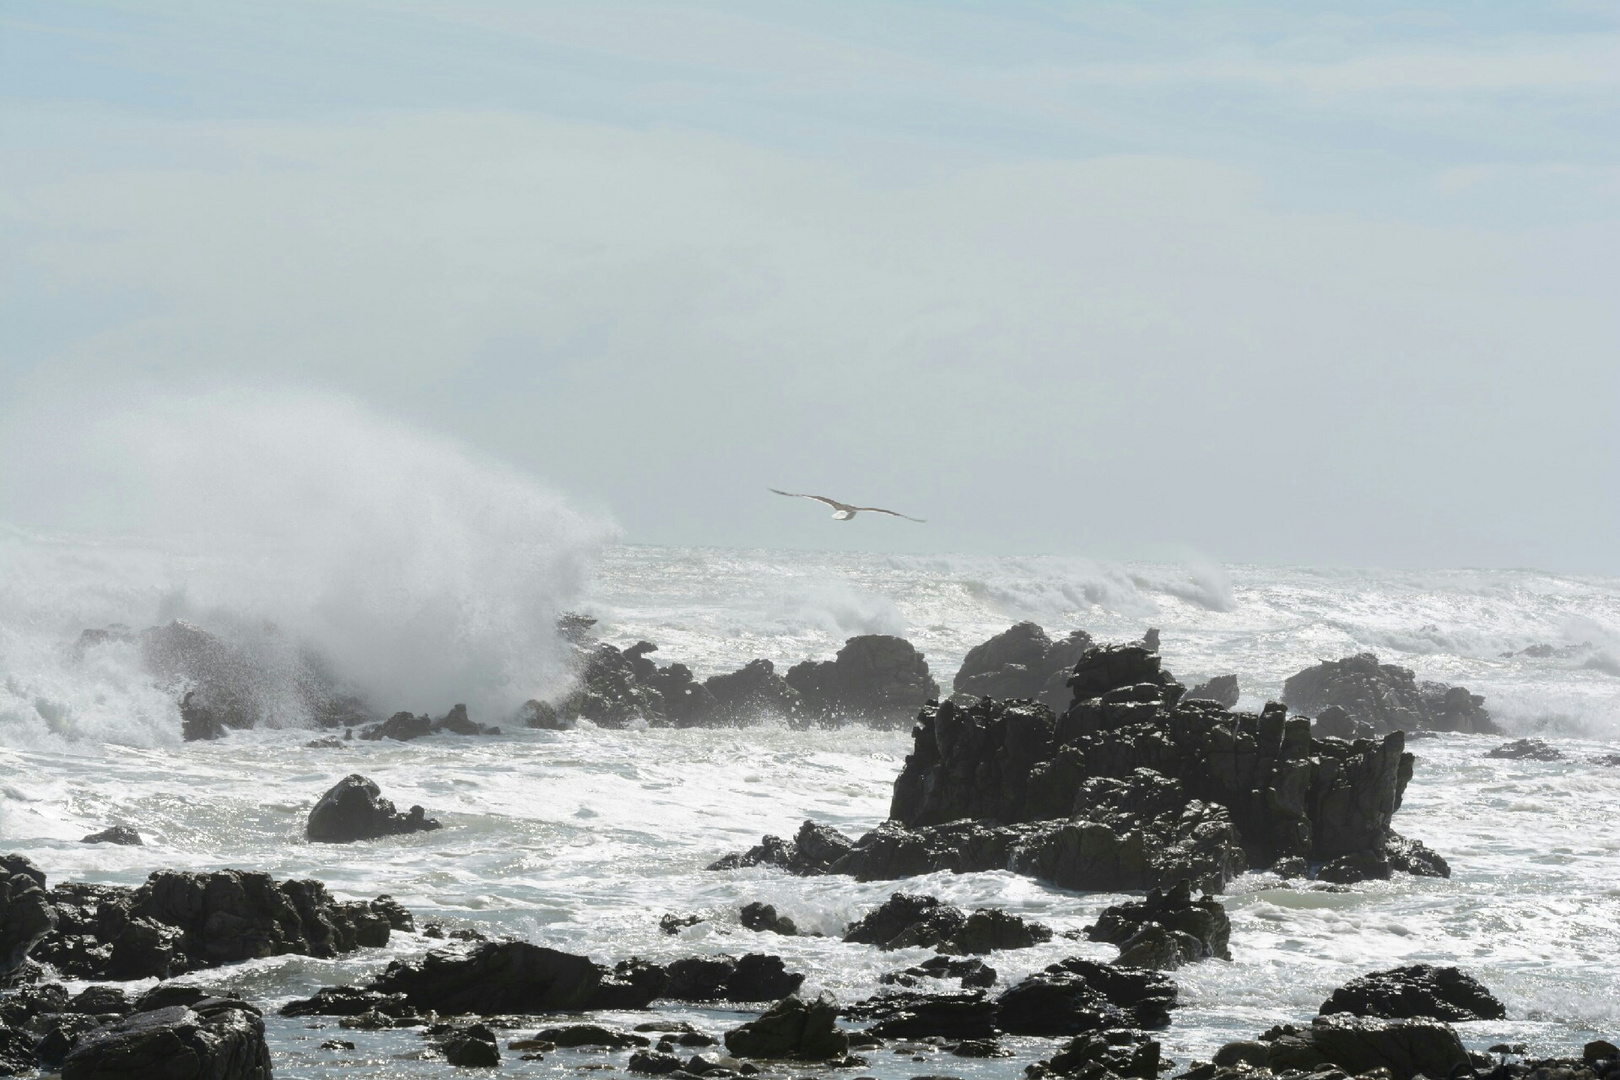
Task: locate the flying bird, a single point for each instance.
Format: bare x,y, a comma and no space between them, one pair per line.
844,511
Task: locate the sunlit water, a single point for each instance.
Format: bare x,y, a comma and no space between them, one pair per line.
583,839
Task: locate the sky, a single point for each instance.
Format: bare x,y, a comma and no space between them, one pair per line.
1324,284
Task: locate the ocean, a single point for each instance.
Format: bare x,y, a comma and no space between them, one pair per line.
583,839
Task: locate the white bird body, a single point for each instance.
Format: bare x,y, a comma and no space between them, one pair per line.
843,511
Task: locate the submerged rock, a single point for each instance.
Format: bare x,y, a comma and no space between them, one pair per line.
909,921
403,727
1417,991
1126,1054
471,1046
1386,696
354,809
1527,750
815,849
763,917
115,834
1407,1048
970,972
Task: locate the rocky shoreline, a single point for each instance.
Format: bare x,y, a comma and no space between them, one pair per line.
1135,784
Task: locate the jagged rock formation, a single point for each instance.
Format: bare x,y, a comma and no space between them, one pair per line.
1135,786
816,849
403,727
1417,991
211,1039
752,693
1093,1054
181,921
763,917
1167,929
354,809
26,915
907,921
1022,662
1358,1045
121,835
1527,750
1386,696
969,971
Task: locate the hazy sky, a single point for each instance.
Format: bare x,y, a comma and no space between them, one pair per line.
1260,282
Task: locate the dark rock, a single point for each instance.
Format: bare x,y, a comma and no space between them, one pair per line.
792,1028
875,678
1022,662
972,761
907,921
500,977
980,1048
674,924
610,694
471,1046
457,722
653,1063
16,1051
354,809
1334,723
100,1000
115,834
815,850
763,917
1196,928
1386,696
1417,991
971,972
991,929
1369,865
401,727
175,1043
1251,1053
687,702
1290,866
1413,857
966,1015
540,714
26,914
1106,668
348,1001
1222,689
755,977
1527,750
1125,1054
1359,1045
753,693
590,1035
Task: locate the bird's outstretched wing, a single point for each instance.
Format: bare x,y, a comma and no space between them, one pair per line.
891,513
834,503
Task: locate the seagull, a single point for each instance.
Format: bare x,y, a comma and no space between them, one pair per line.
844,511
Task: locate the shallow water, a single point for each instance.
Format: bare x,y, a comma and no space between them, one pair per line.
583,839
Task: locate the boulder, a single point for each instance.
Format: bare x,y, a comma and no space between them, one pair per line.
1093,1054
403,727
473,1046
1527,750
1222,690
26,914
909,921
1416,991
875,678
1407,1048
508,977
590,1035
815,849
1386,696
354,809
610,694
213,1040
1334,723
970,972
792,1028
763,917
1195,928
348,1001
541,714
754,977
753,693
1022,662
115,834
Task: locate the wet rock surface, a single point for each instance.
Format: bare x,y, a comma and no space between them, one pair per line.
1406,1048
1416,991
1527,750
1022,662
792,1028
208,1039
121,835
875,678
1386,696
180,921
910,921
354,809
1222,690
1166,929
26,914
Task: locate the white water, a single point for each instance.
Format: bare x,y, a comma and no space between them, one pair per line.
582,839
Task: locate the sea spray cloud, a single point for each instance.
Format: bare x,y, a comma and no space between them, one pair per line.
420,573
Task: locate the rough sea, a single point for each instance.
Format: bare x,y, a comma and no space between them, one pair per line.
583,839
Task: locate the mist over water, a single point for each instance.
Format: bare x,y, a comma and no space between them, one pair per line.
302,528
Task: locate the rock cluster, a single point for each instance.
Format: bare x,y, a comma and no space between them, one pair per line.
493,978
907,921
181,921
1022,662
26,914
183,1032
403,726
1167,929
792,1028
1135,786
1064,999
875,679
354,809
1386,696
1527,750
